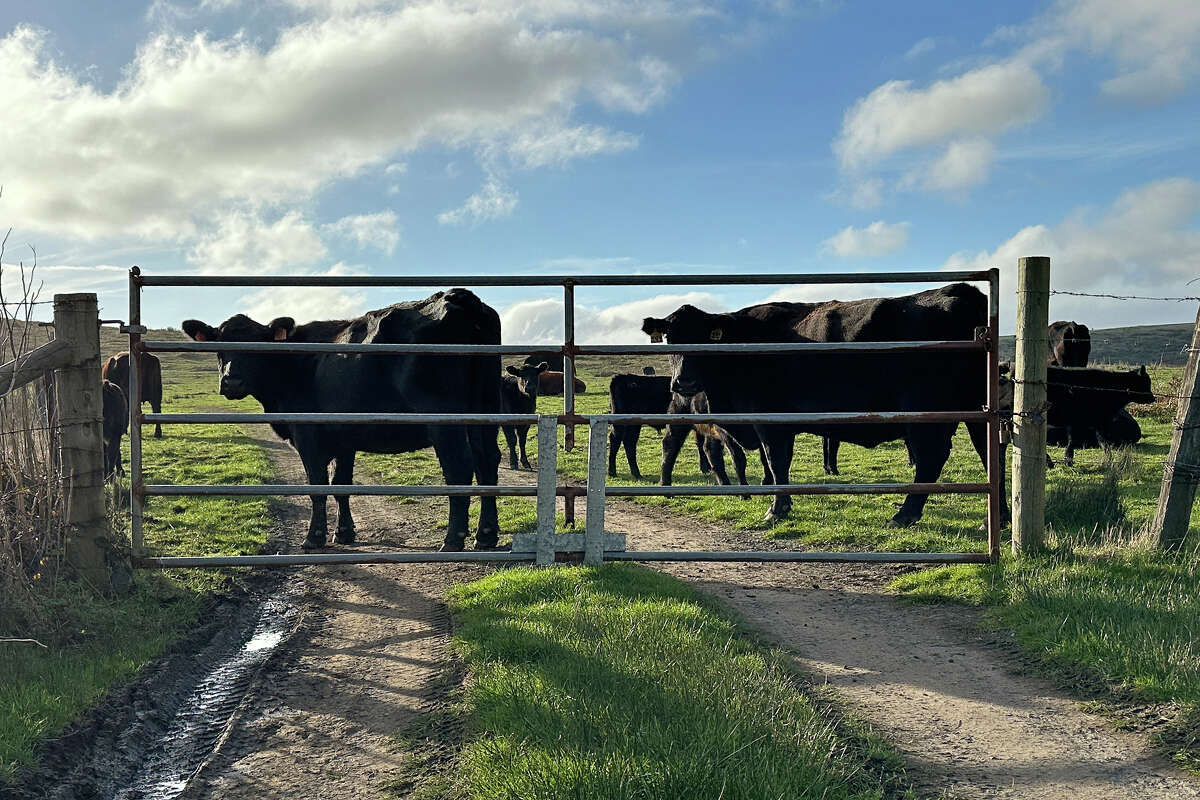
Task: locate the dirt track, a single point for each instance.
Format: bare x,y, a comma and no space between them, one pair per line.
369,659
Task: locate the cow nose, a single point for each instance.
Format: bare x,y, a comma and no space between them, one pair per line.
684,387
233,388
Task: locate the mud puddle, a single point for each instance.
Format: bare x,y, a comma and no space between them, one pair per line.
148,739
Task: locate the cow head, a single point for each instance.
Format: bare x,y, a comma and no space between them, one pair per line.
689,325
527,377
1140,390
243,374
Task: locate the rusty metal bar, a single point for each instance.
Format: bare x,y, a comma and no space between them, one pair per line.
335,490
952,345
136,479
995,453
795,555
798,488
349,418
764,278
326,559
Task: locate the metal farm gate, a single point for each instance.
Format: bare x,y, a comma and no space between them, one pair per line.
596,546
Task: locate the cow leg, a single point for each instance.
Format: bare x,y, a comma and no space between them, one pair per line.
978,432
632,434
156,407
702,453
343,475
1069,454
779,448
615,434
829,455
317,470
930,446
522,434
672,443
510,436
452,445
485,457
738,456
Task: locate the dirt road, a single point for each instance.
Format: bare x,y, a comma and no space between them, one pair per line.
370,657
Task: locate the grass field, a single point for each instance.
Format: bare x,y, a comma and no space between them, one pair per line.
105,642
621,682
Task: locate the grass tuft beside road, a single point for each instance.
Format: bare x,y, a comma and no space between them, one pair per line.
622,682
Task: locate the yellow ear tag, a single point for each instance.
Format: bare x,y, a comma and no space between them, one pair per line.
656,337
716,334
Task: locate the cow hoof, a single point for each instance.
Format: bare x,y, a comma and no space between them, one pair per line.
313,543
902,521
344,537
452,545
771,518
745,496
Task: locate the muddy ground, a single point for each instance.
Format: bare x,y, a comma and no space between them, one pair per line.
367,658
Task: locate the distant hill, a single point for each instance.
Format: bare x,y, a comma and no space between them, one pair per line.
1138,344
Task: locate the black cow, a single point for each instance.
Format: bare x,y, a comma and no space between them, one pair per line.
376,383
651,394
1084,400
814,382
149,380
1070,344
518,395
116,423
1120,431
552,359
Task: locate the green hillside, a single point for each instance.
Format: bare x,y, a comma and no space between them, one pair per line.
1138,344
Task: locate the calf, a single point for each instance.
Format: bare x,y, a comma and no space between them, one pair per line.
1082,398
116,423
551,382
634,394
149,378
518,395
1120,431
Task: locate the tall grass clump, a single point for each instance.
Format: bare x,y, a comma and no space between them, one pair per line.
32,533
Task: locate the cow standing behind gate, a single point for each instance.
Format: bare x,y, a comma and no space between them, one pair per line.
858,382
409,383
149,380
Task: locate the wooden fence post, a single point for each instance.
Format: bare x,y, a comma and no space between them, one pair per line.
1029,412
1182,469
80,408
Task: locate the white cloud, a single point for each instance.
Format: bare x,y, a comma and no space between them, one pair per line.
541,321
1155,43
919,49
198,123
1140,245
963,164
877,239
493,201
897,116
305,304
380,230
244,243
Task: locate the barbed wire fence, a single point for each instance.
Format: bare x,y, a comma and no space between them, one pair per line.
1181,467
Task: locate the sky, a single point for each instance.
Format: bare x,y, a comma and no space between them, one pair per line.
347,137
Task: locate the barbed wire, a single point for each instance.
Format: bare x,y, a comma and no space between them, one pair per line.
1125,296
26,302
1158,395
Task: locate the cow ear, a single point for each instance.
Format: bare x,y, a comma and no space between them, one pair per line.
199,331
511,370
281,328
1143,369
542,367
655,328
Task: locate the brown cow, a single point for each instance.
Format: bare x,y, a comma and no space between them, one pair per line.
117,371
116,422
551,382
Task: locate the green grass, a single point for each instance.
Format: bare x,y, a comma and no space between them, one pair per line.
621,682
104,642
1101,610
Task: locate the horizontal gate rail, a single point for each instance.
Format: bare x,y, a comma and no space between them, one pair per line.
304,559
761,278
939,345
335,490
797,488
596,488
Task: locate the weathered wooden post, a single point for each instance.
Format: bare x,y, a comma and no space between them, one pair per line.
1182,470
80,409
1029,411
